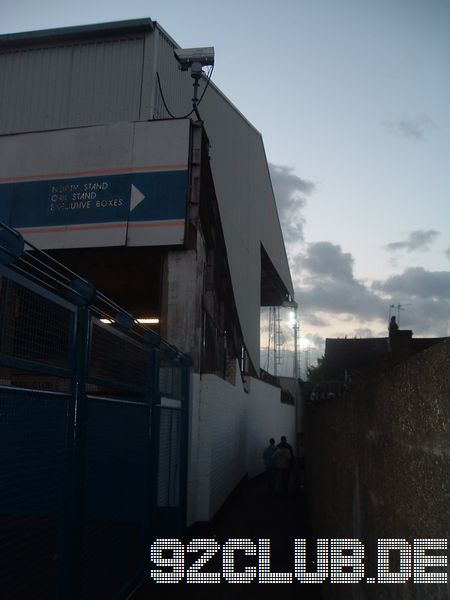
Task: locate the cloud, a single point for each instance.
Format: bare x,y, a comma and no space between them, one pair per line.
326,287
325,259
417,240
447,252
317,341
344,298
325,283
427,317
426,297
364,332
415,128
417,282
313,318
290,191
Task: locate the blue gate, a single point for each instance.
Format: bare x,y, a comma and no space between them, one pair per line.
93,434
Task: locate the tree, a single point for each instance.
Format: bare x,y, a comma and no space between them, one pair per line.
317,372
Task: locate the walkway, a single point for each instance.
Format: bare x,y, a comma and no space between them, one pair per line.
249,513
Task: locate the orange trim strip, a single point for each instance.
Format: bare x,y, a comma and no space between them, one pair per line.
156,224
64,228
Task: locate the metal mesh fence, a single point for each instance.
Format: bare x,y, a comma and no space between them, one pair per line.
170,459
33,327
80,414
33,463
116,358
26,379
115,496
170,379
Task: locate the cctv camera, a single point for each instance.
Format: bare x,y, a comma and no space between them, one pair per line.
188,56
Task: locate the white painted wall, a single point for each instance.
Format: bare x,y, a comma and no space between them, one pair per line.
193,484
229,429
266,417
217,460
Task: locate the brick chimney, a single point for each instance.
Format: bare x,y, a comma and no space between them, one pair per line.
400,342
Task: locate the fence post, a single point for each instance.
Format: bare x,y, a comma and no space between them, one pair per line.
184,444
154,444
152,390
69,571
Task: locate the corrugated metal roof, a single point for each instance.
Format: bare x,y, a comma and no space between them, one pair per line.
70,84
78,32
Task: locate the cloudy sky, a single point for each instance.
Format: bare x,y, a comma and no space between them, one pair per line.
352,99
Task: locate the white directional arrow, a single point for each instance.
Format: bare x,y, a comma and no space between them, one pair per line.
136,197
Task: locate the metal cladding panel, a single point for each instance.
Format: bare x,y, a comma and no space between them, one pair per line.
271,234
109,185
241,212
176,86
52,87
243,188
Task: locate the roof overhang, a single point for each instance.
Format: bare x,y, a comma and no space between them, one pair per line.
95,30
273,290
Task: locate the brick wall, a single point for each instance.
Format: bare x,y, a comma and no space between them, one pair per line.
377,465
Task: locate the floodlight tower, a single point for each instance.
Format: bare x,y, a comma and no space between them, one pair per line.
293,304
195,59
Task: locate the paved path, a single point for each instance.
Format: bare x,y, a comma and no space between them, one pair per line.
250,513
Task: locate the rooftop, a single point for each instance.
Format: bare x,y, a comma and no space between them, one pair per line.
352,356
77,31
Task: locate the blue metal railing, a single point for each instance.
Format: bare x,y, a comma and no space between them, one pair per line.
93,433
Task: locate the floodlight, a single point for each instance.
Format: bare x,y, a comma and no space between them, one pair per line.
289,304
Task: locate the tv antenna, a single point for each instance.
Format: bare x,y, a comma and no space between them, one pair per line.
399,307
195,59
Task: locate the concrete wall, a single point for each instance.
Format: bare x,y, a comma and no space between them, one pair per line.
229,429
181,318
377,465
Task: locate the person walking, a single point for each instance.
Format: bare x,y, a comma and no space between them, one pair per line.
283,459
268,463
284,444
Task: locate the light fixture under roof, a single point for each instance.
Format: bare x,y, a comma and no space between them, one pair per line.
147,321
143,321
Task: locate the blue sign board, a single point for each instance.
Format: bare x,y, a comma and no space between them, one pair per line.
96,199
138,197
